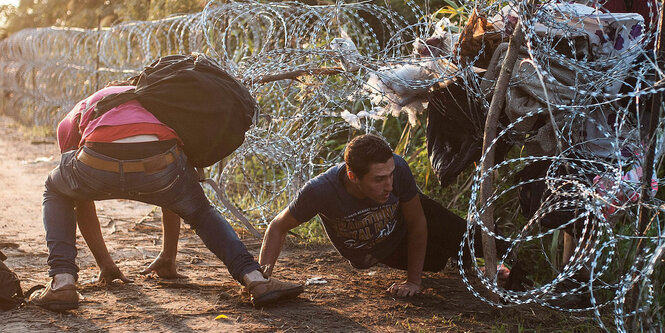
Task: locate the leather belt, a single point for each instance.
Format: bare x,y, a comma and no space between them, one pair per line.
149,164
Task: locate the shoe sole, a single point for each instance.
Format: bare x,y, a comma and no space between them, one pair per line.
58,306
277,295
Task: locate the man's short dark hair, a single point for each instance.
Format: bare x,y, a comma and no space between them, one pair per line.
365,150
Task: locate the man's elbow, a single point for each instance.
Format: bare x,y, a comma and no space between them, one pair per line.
277,228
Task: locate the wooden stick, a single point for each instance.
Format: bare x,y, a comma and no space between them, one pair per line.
496,107
656,101
647,166
227,203
298,73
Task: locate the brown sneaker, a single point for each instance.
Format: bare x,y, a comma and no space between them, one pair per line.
61,299
264,292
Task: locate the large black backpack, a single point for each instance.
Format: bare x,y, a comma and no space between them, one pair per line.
11,295
209,110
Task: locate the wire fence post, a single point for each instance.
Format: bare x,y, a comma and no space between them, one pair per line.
97,45
2,91
647,169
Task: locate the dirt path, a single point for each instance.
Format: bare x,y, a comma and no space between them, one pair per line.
350,300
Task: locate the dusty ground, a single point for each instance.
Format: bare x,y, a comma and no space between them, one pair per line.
351,300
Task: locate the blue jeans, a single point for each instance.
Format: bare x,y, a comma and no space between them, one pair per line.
175,187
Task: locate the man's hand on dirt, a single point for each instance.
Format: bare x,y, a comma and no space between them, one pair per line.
404,289
165,268
108,274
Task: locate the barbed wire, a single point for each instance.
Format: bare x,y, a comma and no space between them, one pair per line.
586,172
319,71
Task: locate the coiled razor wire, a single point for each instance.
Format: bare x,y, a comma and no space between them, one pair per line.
586,176
318,71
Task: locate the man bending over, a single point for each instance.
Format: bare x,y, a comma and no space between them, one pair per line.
127,153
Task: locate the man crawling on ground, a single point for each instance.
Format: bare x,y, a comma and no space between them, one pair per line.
373,213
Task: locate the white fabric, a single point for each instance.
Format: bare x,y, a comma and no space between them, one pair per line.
138,138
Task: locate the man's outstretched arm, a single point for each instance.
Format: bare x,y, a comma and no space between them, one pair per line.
413,214
165,265
88,222
274,238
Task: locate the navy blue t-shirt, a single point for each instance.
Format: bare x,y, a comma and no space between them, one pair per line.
362,230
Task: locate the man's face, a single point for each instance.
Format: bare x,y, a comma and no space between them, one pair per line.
378,182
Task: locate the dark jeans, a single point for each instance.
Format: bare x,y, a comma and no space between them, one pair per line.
175,187
444,234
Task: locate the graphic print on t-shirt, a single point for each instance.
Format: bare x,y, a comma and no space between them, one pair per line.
366,228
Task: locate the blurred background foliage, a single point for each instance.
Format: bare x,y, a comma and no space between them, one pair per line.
105,13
